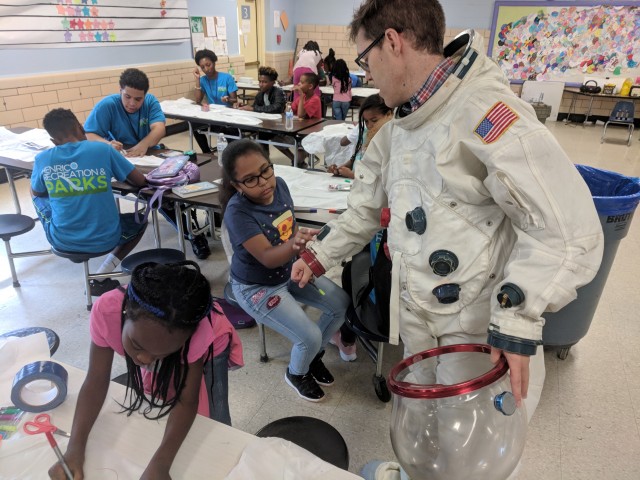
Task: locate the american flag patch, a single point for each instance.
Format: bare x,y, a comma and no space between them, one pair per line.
495,123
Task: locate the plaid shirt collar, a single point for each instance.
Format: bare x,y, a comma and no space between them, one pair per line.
430,86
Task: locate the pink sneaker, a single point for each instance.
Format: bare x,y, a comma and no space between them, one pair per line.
347,352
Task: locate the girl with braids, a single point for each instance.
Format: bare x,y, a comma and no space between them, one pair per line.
373,114
262,229
178,348
341,83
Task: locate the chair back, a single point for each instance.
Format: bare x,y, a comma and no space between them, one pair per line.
623,112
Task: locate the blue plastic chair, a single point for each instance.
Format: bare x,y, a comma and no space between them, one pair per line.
622,114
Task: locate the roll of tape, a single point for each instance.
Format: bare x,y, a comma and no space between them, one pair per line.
39,386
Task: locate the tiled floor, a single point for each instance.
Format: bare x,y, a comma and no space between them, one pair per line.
587,424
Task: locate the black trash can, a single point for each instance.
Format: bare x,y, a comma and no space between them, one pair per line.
616,198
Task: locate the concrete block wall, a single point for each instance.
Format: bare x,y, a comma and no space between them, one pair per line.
24,101
280,61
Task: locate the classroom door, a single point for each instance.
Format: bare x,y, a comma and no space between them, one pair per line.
249,35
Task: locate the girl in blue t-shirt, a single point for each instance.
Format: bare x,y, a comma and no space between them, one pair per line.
217,88
258,214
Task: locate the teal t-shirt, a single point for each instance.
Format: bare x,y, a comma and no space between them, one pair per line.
77,177
109,116
219,87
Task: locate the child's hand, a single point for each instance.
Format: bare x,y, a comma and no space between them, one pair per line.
302,236
116,144
246,107
136,151
332,169
225,99
75,465
196,74
345,172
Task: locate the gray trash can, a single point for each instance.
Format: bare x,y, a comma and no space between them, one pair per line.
616,198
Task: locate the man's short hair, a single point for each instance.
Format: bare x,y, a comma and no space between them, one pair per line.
311,78
422,20
268,72
134,78
200,54
60,123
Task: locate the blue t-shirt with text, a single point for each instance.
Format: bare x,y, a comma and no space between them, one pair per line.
245,219
109,116
77,177
216,88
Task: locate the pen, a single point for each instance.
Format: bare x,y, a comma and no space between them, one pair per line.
56,449
110,137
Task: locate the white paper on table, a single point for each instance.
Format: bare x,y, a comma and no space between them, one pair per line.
310,189
7,136
37,136
275,458
17,153
327,142
146,161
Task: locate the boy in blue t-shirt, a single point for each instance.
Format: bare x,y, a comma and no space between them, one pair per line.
131,118
71,188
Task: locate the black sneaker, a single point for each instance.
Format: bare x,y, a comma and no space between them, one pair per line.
305,386
97,287
200,246
319,372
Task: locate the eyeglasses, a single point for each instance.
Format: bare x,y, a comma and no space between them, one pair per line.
266,173
364,64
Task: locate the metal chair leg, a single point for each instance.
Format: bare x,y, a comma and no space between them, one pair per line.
264,358
12,267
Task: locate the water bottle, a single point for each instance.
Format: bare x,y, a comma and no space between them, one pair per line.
222,144
288,117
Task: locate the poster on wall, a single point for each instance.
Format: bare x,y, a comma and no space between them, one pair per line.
566,41
209,33
86,23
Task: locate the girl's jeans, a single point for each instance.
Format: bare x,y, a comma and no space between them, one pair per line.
340,110
277,307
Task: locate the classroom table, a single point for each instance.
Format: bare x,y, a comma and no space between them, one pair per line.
356,92
269,127
120,446
592,96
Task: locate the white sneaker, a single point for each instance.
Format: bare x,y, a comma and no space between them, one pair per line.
347,352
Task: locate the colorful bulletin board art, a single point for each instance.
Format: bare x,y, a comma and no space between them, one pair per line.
87,23
566,41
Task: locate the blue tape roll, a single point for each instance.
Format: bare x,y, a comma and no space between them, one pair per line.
32,400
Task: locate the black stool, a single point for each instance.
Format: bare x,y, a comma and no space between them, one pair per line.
11,225
52,337
83,257
231,299
320,438
155,255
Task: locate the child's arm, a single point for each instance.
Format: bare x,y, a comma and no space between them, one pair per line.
302,112
136,178
156,133
178,425
274,257
344,141
90,400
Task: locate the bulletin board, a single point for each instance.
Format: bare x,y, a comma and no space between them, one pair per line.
209,33
87,23
566,41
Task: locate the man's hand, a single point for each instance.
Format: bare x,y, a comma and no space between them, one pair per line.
138,150
518,370
301,273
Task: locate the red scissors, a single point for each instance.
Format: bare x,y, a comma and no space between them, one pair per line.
42,424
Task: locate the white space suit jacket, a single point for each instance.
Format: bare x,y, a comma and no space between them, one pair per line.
497,190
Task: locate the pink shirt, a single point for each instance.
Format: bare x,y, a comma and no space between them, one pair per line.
105,331
337,95
297,73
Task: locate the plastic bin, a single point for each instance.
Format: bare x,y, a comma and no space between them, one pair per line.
616,197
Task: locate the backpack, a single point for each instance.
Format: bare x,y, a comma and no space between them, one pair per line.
164,178
363,276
